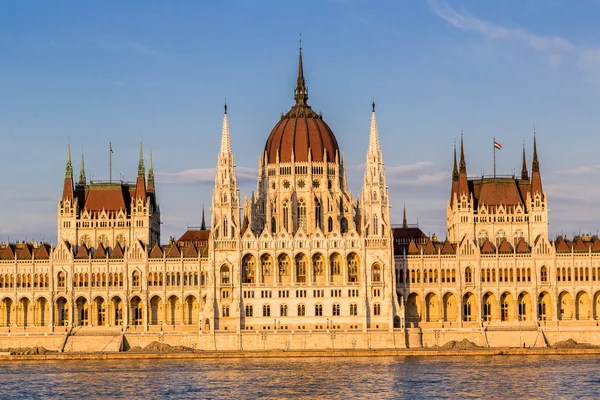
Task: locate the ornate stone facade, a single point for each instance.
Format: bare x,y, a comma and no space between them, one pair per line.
302,262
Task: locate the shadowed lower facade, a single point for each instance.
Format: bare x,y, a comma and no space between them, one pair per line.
302,264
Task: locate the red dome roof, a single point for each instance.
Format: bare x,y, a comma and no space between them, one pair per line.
301,130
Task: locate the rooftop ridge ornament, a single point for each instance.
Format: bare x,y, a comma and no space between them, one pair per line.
301,91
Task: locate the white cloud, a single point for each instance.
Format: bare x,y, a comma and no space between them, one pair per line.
557,49
203,176
582,170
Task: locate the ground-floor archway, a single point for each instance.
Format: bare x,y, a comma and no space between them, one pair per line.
565,306
525,307
469,305
173,311
544,307
450,307
191,310
432,308
582,306
7,309
82,312
413,309
490,308
156,311
41,311
136,311
61,317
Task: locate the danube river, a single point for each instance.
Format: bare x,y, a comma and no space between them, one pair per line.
404,377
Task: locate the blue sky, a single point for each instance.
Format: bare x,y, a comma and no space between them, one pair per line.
100,72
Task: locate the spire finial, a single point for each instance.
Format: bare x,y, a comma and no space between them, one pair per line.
225,139
524,173
82,171
404,223
301,92
203,225
455,168
373,104
150,173
69,168
535,165
225,105
141,168
374,135
463,163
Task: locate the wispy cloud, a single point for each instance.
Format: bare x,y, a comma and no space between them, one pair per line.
204,176
582,170
557,49
127,45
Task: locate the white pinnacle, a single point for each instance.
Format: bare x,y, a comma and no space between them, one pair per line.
225,141
374,136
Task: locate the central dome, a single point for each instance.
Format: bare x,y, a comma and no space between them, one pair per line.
301,131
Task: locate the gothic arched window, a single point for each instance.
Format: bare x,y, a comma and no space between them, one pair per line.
302,214
286,216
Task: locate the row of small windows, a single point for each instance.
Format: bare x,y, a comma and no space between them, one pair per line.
302,293
25,281
336,310
301,270
489,275
103,224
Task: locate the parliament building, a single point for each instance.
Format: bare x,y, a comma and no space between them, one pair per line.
302,263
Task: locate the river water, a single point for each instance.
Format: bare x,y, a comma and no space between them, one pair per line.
348,378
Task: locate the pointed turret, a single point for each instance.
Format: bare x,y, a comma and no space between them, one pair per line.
68,184
301,91
140,184
82,171
141,168
374,149
536,178
225,139
463,184
150,175
404,222
203,224
524,173
455,168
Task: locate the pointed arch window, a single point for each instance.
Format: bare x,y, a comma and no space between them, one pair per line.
375,226
329,224
225,226
286,216
318,214
302,214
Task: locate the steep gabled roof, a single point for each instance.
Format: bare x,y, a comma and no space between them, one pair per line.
173,252
561,246
596,245
82,252
522,247
43,253
412,248
156,252
487,247
8,253
25,252
100,251
117,252
505,247
430,248
447,248
580,246
190,251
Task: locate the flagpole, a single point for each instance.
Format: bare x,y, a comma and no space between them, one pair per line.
110,166
494,157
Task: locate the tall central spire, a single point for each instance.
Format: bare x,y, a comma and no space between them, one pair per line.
524,173
374,135
69,168
141,168
82,171
301,92
225,139
463,163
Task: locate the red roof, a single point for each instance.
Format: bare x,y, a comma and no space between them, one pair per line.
82,252
522,247
156,252
487,247
299,131
117,252
100,252
104,196
505,247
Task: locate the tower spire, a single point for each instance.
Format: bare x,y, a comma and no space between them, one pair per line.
374,134
455,168
141,168
69,168
225,139
535,165
301,92
82,171
404,223
203,225
150,174
463,163
524,173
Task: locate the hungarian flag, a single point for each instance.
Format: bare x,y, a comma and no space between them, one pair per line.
497,145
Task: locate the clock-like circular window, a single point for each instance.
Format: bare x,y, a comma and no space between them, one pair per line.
286,184
301,183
